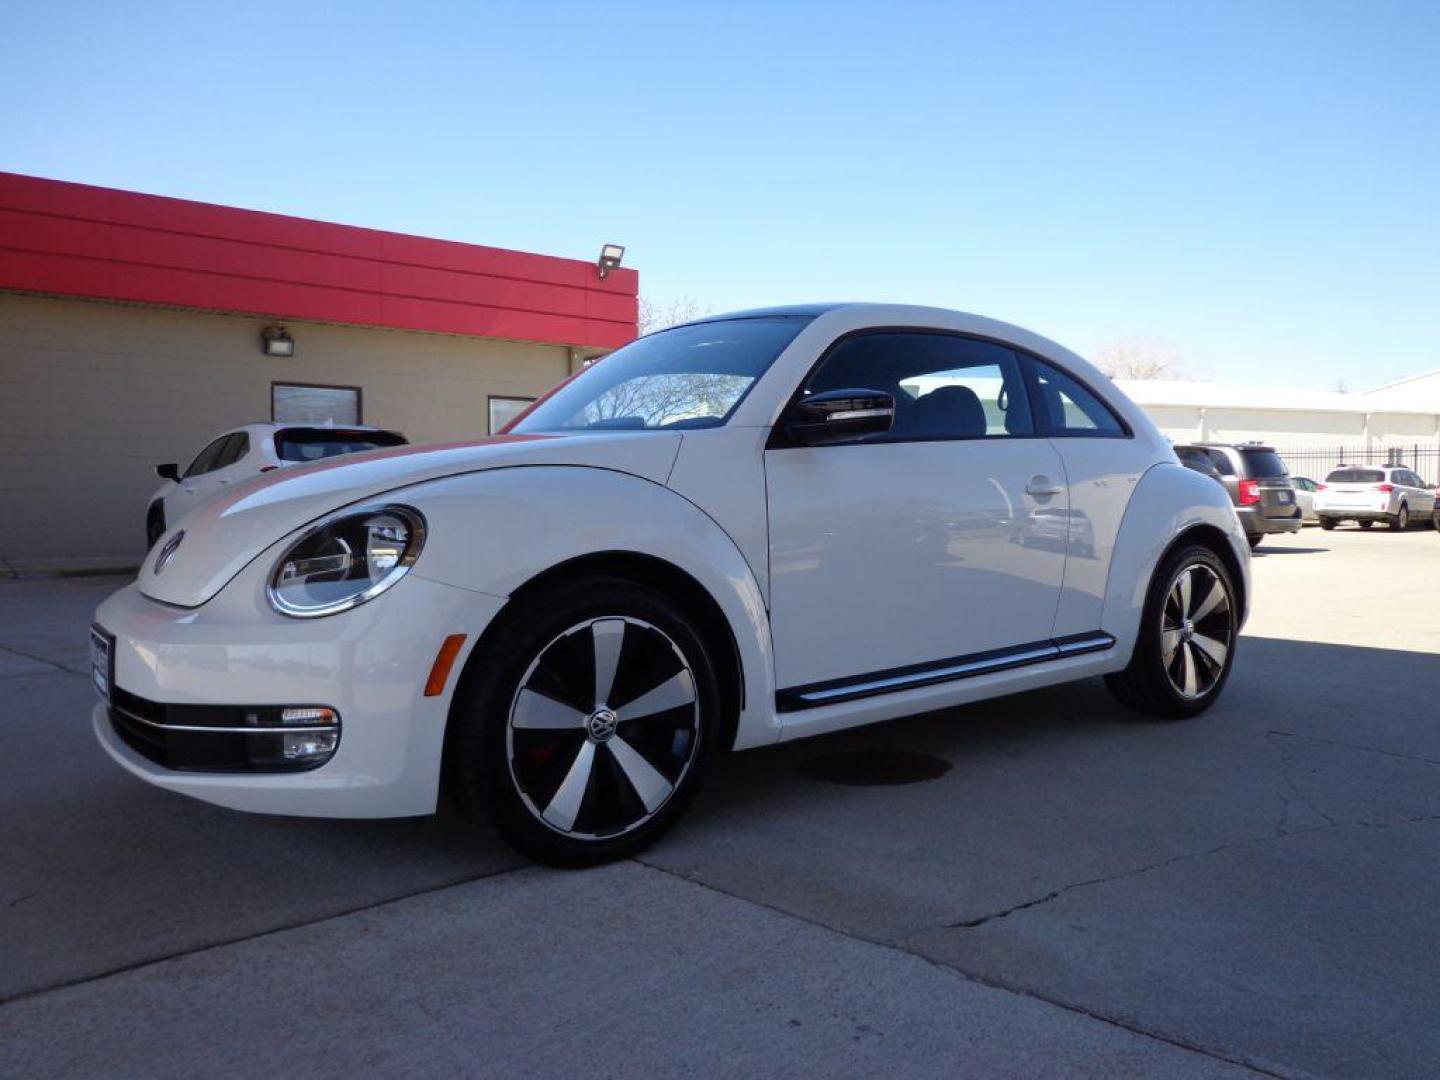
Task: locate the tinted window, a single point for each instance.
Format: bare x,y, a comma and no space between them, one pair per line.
1195,458
205,460
312,444
1070,409
1265,464
1355,476
688,377
945,387
236,447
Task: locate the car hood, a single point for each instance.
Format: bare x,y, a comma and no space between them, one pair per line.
224,533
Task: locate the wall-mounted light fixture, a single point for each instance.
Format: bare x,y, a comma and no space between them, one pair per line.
610,256
276,341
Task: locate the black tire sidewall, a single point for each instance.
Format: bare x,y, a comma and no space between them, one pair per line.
477,754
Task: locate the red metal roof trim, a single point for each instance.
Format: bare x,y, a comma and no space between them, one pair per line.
78,240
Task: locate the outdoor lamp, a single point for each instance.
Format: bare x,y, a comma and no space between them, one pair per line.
276,341
610,256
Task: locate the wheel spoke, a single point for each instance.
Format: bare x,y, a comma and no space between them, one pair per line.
1184,586
536,711
1187,653
1215,650
1169,642
1215,600
675,691
608,636
644,778
564,807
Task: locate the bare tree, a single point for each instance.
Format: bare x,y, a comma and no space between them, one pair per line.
1139,358
655,315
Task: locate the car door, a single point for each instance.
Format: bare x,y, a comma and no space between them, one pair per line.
1102,467
944,538
1422,498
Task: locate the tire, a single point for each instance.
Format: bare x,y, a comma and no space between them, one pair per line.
1191,679
1365,523
563,778
1255,541
1401,521
1327,523
154,524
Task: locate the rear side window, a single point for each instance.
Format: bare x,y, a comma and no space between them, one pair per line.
1069,408
312,444
1355,476
1265,464
236,447
1193,457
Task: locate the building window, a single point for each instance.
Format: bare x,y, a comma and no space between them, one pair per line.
505,409
300,403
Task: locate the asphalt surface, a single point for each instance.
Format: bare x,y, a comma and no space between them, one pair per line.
1079,893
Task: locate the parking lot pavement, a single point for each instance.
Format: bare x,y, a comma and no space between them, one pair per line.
1081,891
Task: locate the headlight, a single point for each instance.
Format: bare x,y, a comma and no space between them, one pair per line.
345,560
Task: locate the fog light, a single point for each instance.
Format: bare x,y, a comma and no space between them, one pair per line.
303,746
316,715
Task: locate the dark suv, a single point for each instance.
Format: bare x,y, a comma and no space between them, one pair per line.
1257,480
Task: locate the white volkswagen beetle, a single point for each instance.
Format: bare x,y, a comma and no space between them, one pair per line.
732,533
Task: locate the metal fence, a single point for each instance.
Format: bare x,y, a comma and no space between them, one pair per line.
1316,461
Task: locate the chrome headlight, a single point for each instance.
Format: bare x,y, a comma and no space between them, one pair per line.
345,560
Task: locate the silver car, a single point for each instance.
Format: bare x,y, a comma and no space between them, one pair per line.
1366,494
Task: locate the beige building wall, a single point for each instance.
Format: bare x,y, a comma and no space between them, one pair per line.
94,395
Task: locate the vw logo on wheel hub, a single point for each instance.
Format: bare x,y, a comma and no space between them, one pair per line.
602,724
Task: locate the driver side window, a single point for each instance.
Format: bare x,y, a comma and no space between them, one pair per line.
945,387
205,461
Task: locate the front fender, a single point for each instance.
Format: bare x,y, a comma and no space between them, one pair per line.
1168,500
493,531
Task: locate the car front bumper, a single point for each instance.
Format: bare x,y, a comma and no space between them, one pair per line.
369,664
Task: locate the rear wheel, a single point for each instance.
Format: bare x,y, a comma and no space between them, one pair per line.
1255,541
1186,644
1401,521
1365,523
588,729
1327,523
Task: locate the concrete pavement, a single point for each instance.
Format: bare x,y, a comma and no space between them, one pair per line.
1081,893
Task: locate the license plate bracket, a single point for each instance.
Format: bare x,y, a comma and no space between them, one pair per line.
102,662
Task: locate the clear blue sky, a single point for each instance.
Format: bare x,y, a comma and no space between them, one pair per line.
1256,182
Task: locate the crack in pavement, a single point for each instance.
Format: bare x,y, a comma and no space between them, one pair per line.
239,939
1055,894
972,977
41,660
1352,746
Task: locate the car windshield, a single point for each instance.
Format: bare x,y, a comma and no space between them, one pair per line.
312,444
689,377
1265,464
1355,476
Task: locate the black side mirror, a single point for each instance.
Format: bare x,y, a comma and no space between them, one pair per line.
838,416
168,472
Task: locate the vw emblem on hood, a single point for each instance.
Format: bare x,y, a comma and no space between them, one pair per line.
168,551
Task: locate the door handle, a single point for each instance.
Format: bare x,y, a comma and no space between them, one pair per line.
1042,487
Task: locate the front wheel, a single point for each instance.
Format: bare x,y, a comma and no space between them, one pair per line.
586,731
1401,521
1186,645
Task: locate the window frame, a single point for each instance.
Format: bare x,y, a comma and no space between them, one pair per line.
1041,414
490,399
359,401
779,440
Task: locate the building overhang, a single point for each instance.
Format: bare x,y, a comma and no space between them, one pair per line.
75,240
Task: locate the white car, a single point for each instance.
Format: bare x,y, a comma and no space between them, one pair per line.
725,535
243,452
1366,494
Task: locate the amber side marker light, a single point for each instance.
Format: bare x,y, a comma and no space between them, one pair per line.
444,661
